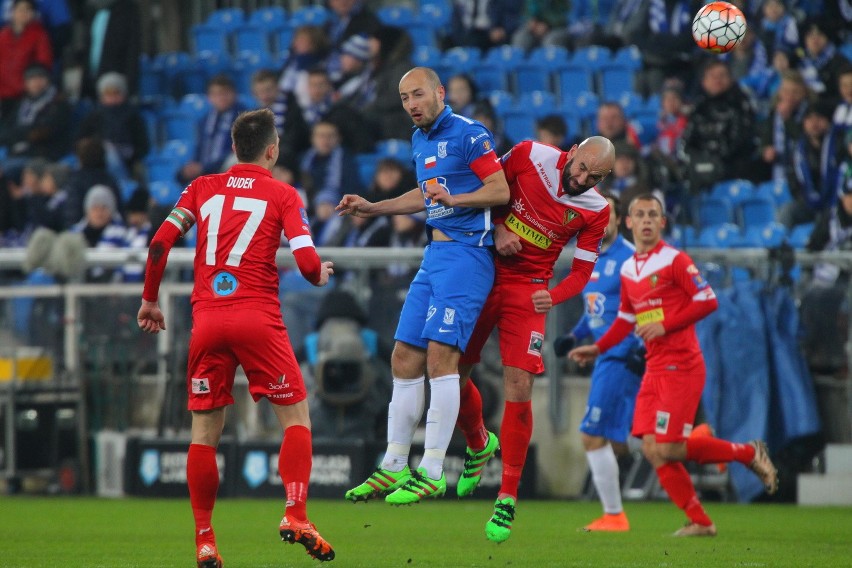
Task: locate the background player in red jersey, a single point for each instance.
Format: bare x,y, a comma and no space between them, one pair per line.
552,200
236,320
662,296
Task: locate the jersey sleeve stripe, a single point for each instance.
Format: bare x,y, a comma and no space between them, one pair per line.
301,241
627,316
182,219
704,295
586,255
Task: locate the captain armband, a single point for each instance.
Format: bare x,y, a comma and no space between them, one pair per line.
182,219
301,241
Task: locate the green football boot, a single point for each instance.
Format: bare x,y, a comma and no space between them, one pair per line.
380,483
418,487
473,464
499,527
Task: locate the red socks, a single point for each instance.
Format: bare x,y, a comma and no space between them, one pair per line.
470,417
713,450
675,480
515,435
202,478
294,467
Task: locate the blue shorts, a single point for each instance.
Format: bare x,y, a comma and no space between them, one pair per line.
609,412
446,295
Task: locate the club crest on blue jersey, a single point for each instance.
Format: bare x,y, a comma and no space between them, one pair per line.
442,149
224,284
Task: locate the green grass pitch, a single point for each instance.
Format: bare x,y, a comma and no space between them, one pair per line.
38,532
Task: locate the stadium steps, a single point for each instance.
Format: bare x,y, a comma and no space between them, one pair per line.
834,487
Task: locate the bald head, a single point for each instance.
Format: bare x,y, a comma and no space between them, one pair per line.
422,96
592,161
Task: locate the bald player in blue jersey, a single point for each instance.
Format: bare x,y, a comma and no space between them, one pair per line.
615,380
460,178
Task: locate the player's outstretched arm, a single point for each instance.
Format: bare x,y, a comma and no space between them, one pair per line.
357,206
494,191
150,318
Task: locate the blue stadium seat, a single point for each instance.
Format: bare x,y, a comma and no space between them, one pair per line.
161,168
436,13
399,150
713,211
165,192
584,103
539,103
501,101
244,68
397,16
800,235
250,38
552,56
177,124
489,78
726,235
779,192
769,235
519,125
846,50
177,150
653,104
195,103
270,18
646,128
127,187
628,56
151,83
615,81
592,57
228,18
366,167
422,35
282,38
463,59
573,121
152,125
574,79
631,103
682,236
309,16
532,76
734,190
210,39
426,56
505,56
757,212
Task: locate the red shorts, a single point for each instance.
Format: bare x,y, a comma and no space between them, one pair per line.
251,335
509,307
666,404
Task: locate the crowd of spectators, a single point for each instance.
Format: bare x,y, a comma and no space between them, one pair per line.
779,107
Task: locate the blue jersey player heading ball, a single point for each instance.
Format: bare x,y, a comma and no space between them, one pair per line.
460,178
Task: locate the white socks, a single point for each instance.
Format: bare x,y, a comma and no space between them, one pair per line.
404,413
604,468
440,423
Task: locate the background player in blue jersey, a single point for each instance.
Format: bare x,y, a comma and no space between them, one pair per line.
459,178
615,379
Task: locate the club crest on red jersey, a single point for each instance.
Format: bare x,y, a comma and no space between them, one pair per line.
569,216
653,279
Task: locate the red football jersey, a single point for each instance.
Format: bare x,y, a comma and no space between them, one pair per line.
239,217
655,286
543,216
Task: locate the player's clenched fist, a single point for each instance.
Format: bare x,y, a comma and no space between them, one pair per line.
150,318
439,194
326,271
354,205
506,242
584,354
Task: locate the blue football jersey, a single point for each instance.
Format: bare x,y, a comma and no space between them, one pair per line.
457,153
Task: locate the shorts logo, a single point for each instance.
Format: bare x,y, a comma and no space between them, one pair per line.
200,386
449,316
224,284
431,312
536,341
442,149
662,422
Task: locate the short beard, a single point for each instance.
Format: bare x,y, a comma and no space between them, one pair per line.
566,178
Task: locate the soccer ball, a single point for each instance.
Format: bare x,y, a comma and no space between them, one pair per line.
718,27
